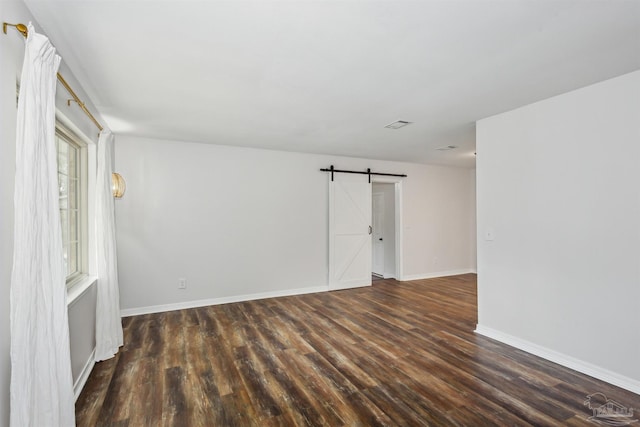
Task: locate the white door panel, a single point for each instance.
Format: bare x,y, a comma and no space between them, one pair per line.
349,231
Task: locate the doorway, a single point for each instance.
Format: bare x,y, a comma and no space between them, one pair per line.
383,238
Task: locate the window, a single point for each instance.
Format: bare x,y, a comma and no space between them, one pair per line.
72,180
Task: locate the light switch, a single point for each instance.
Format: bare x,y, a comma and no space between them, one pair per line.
488,235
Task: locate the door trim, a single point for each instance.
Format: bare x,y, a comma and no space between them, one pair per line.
399,230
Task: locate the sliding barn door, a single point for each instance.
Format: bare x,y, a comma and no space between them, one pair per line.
349,231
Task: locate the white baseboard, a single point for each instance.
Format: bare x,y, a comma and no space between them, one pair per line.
216,301
126,312
562,359
406,278
84,375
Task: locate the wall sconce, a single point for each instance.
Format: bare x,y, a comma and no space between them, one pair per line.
118,186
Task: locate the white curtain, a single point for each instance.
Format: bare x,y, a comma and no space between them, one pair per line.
41,382
108,322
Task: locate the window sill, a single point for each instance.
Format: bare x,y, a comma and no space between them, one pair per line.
79,289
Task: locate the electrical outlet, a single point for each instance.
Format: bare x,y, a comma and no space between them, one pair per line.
182,283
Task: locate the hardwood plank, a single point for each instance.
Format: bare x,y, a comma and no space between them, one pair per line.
115,406
146,402
392,354
219,415
262,401
175,404
91,400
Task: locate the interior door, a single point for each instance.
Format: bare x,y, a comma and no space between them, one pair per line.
377,267
349,231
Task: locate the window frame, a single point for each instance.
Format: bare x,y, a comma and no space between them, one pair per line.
71,138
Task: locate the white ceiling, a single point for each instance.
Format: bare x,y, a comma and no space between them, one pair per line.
327,76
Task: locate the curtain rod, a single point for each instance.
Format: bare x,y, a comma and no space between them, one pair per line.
367,172
22,29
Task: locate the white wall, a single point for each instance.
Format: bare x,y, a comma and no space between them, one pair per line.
558,187
237,221
11,56
82,335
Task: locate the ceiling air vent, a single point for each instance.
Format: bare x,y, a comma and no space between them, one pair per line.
447,148
398,124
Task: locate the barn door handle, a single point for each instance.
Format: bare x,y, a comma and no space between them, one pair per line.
370,230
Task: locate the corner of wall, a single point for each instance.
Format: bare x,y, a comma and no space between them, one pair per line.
562,359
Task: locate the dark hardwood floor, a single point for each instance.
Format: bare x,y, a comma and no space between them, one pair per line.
394,354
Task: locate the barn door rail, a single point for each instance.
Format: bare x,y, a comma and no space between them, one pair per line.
367,172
